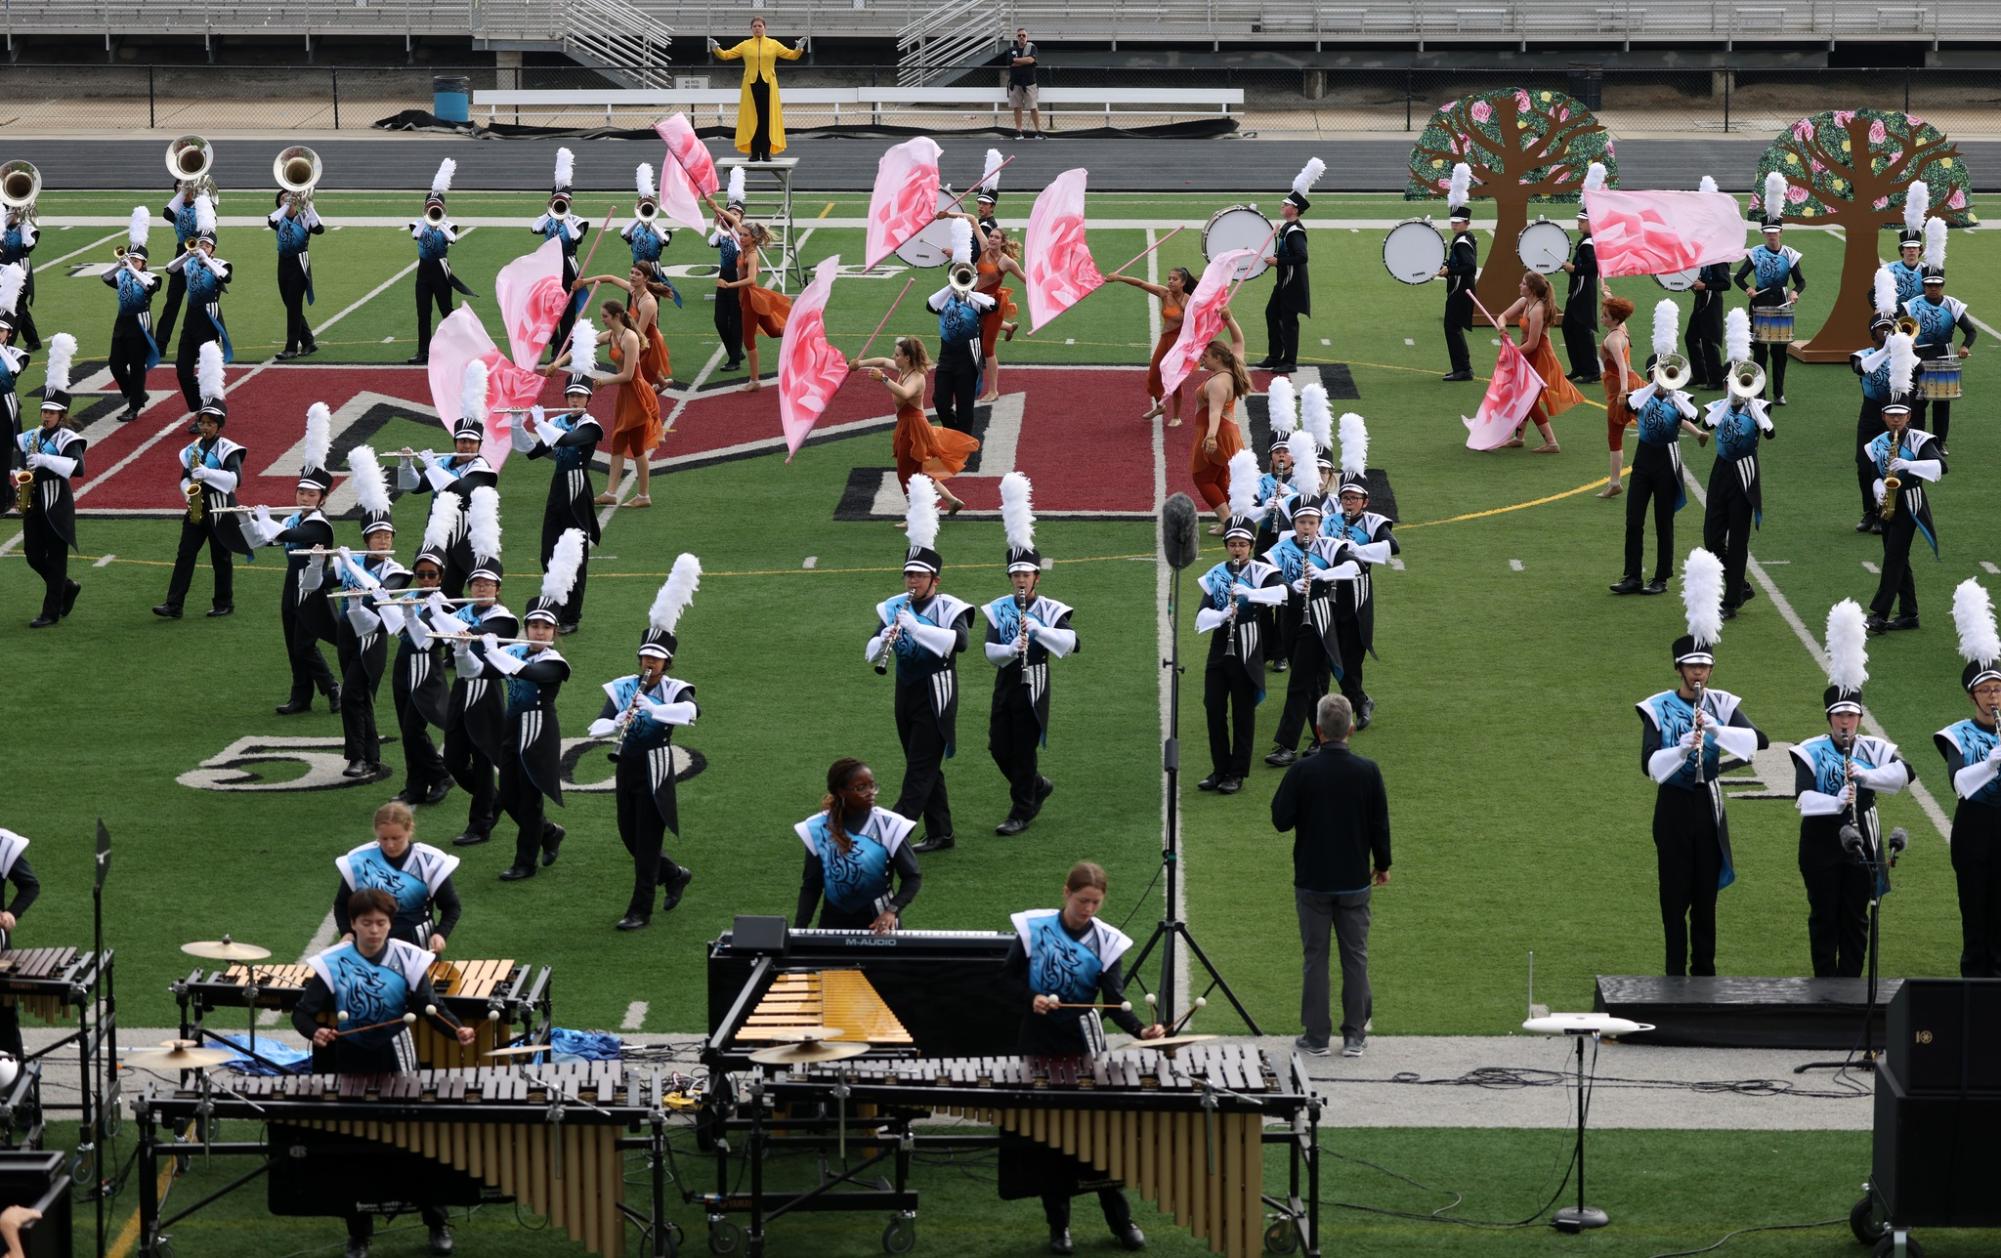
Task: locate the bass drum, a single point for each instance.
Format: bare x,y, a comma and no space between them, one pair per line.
1413,252
1238,227
1679,281
931,247
1543,247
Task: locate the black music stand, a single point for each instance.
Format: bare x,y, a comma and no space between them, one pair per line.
1170,929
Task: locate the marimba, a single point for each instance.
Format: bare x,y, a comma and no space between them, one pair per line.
552,1137
491,996
72,987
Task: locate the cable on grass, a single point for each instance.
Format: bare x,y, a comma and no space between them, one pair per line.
1746,1231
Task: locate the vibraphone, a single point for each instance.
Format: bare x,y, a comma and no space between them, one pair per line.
69,986
492,997
552,1137
1186,1131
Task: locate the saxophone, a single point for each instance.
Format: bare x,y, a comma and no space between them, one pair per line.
24,490
1891,484
197,493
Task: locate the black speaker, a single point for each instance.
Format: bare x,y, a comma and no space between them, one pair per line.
1945,1035
35,1178
758,935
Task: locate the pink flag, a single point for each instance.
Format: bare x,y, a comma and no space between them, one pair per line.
1199,323
1653,233
688,152
1510,393
810,369
462,339
905,200
531,296
1061,271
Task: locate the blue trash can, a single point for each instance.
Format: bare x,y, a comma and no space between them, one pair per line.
451,97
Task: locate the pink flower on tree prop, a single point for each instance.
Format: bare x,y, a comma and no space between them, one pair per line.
1482,111
1878,133
1957,201
1795,194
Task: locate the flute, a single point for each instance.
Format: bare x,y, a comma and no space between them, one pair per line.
246,510
407,595
480,637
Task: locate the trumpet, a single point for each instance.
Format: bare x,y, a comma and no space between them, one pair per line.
297,170
648,211
20,187
189,159
1908,325
962,278
1747,379
24,491
1672,372
559,206
434,215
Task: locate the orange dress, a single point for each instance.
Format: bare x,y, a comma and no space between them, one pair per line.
1004,309
1211,472
1558,394
1617,413
763,310
653,361
922,446
1170,332
635,423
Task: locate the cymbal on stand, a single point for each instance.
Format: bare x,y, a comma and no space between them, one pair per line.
225,949
178,1055
807,1054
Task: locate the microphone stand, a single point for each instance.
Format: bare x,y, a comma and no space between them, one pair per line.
1870,856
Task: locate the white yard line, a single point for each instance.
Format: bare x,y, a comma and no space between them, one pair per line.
44,263
635,1016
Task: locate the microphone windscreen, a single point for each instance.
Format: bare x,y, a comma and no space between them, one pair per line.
1900,839
1177,531
1851,838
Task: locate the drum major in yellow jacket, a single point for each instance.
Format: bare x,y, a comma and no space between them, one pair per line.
760,55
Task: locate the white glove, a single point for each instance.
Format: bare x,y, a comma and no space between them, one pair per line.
438,606
1240,590
198,472
490,642
668,713
1879,493
905,621
267,525
603,727
1899,465
1299,586
426,457
1994,756
1689,740
535,413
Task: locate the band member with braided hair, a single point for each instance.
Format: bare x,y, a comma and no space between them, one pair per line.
858,864
1211,458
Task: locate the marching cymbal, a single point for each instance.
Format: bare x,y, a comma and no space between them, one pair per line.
518,1050
179,1055
802,1034
1171,1043
806,1054
225,949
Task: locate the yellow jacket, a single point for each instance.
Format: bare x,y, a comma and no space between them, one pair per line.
760,57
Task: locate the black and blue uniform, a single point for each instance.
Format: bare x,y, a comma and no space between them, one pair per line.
221,462
48,533
476,717
531,753
729,310
295,273
304,614
927,700
208,278
180,213
1910,281
435,280
1233,678
1018,720
1775,270
570,492
647,243
419,881
1913,513
1704,338
956,384
1656,478
14,868
17,244
134,352
1840,884
1736,493
1869,423
460,474
1580,311
417,688
1291,297
12,363
1937,321
570,231
361,648
643,784
1969,748
1462,268
1305,633
1356,546
873,872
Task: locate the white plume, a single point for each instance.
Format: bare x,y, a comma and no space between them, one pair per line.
137,230
736,196
990,178
371,483
1774,204
1305,468
1903,363
1884,293
920,518
1017,511
962,240
676,592
642,176
1973,616
1462,184
560,577
441,183
566,167
1935,243
583,347
319,435
62,352
1243,472
1667,327
1847,645
1594,177
1737,336
1708,184
1309,174
443,520
1702,596
483,522
204,215
1318,420
208,371
13,278
1282,403
1917,204
472,392
1354,444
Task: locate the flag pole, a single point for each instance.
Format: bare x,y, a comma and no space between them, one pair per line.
1121,270
885,318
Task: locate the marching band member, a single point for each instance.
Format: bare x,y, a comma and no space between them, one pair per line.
917,443
462,472
1682,735
361,648
646,241
1233,678
211,469
988,197
921,631
641,711
17,245
1904,459
764,310
304,615
1274,489
1972,751
208,278
179,213
559,224
1662,413
1358,540
415,876
367,988
760,118
1580,299
417,685
1873,366
1536,309
296,225
435,235
531,673
1736,486
1907,270
1210,460
857,860
1775,266
568,440
475,713
1938,316
957,383
1705,318
133,350
13,361
1615,368
729,314
1291,291
1025,630
1462,267
1063,962
53,458
1836,778
635,423
1306,618
1173,297
14,868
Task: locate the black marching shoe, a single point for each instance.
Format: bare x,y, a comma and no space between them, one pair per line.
333,697
69,598
1367,714
355,1249
292,707
217,613
567,630
1905,622
1209,783
1864,524
1130,1237
1279,757
1729,613
42,622
632,921
1750,592
470,838
935,843
674,888
419,361
285,355
167,611
1455,377
407,797
1281,666
515,873
1627,585
1876,526
437,794
1267,363
313,347
1656,586
356,769
1044,788
1229,786
552,838
1012,826
1876,624
1059,1241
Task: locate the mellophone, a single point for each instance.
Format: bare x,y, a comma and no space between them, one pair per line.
552,1137
500,999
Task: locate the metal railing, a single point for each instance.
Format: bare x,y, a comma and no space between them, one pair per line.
949,37
616,38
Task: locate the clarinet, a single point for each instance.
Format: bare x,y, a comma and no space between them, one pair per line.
1695,752
630,716
889,640
1021,642
1230,570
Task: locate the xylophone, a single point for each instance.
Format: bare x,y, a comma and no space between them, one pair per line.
47,982
551,1137
491,996
73,987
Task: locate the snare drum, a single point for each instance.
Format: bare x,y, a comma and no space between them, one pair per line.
1679,281
1773,325
1543,247
931,247
1414,251
1938,379
1238,227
